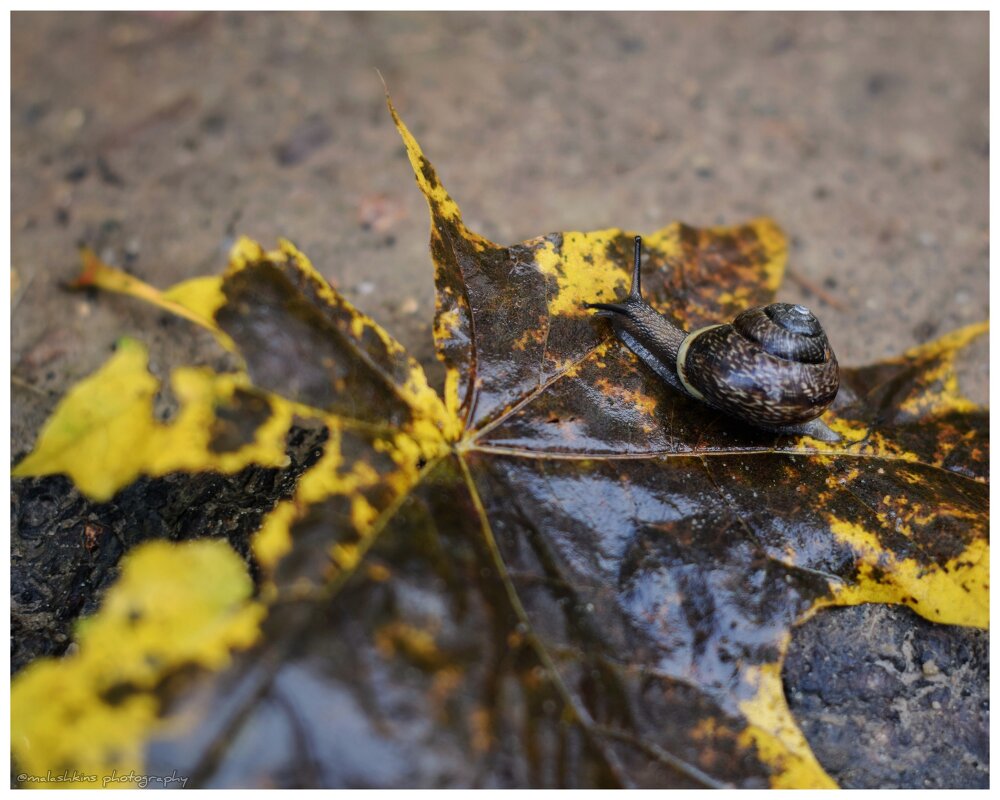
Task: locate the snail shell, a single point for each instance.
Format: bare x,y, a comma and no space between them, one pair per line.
772,367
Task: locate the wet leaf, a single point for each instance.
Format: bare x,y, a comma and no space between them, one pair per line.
562,573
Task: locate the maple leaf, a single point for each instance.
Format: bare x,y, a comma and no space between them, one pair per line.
562,572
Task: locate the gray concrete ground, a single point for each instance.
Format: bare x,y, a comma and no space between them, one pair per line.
157,137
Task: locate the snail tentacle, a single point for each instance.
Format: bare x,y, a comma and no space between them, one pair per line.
648,334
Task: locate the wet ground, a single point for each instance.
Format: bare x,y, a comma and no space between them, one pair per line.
158,137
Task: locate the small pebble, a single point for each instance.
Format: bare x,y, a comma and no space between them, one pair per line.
74,119
930,668
380,212
409,306
703,166
690,88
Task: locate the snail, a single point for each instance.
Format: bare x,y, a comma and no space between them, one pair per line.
771,367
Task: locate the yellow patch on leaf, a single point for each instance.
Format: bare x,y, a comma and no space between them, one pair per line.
201,296
447,324
196,300
350,477
274,539
176,606
942,395
583,271
956,593
104,433
772,730
585,268
643,404
429,183
416,644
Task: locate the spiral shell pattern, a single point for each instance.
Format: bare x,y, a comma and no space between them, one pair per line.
772,366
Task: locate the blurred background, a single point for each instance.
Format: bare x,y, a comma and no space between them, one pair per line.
159,137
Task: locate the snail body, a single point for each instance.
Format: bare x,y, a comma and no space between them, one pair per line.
771,367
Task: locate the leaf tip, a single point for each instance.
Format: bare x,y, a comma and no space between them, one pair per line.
244,251
384,85
90,268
